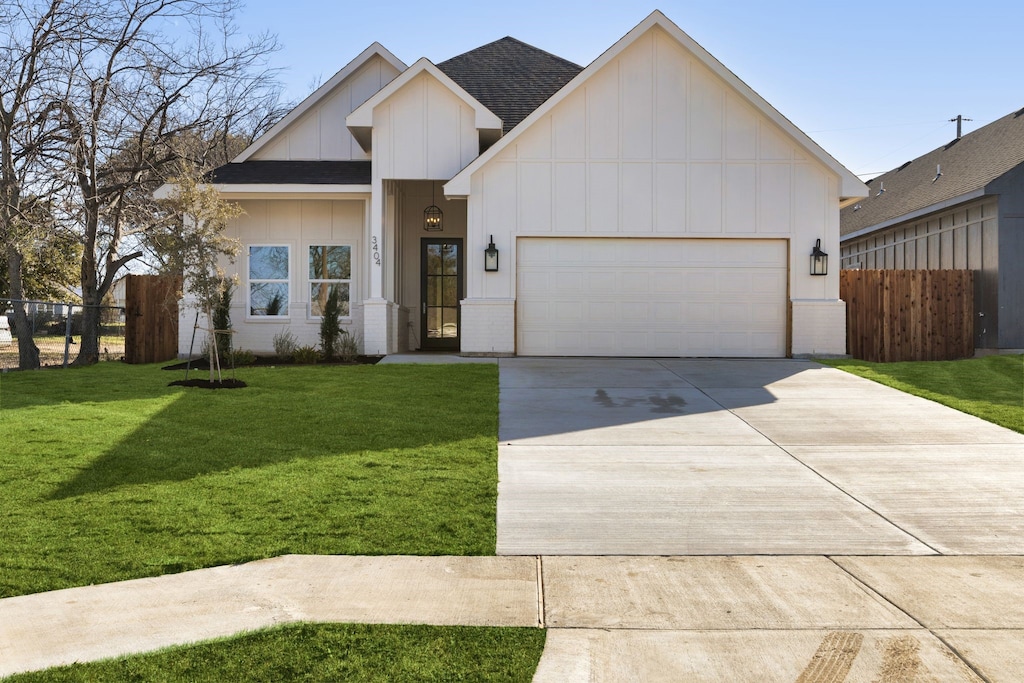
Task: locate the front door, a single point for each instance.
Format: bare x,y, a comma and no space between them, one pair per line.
441,291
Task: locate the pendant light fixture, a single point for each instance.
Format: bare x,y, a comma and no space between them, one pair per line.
432,216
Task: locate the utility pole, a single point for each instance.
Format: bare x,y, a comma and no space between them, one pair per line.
959,120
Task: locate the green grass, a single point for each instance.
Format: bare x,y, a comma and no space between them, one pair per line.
328,652
991,387
109,474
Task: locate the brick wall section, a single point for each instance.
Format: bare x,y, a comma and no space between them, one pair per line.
489,327
819,327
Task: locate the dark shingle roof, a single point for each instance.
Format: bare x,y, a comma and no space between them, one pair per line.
968,164
293,173
510,77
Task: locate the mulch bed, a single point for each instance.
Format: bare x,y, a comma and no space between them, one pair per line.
201,364
204,364
207,384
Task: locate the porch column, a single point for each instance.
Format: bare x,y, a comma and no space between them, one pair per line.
378,319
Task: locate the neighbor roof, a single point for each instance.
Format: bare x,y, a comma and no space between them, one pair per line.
292,173
967,165
510,77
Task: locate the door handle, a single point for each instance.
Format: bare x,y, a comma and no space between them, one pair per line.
424,308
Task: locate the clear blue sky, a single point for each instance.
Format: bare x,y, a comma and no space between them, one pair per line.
872,83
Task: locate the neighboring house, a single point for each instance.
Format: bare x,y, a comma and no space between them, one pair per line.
650,204
960,206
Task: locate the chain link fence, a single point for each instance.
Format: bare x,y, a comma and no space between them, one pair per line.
56,329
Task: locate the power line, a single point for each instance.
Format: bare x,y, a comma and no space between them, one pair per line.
909,144
887,125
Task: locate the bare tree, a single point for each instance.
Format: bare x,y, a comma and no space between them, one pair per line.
149,75
32,53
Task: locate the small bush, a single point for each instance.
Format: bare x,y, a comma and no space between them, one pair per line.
285,344
306,355
241,357
347,349
330,326
222,321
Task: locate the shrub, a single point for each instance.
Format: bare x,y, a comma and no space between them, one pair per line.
242,357
222,321
306,355
330,326
347,349
285,344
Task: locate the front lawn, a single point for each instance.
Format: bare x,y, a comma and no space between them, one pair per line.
329,652
109,474
991,387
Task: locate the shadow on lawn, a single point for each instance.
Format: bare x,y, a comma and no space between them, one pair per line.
208,432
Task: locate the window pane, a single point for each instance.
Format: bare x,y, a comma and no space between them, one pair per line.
268,263
434,323
330,263
450,326
451,259
450,292
268,298
318,293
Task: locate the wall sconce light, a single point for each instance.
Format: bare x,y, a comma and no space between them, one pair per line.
819,260
491,257
432,216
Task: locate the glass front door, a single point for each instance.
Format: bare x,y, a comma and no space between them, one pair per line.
441,292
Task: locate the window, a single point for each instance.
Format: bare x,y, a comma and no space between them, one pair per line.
330,269
268,281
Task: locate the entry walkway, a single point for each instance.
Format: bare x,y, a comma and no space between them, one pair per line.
608,618
744,457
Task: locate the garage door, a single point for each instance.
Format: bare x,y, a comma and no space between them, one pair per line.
651,297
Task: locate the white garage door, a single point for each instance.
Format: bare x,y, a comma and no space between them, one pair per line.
651,297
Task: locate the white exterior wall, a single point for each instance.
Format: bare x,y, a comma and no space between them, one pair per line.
321,133
422,131
655,144
298,223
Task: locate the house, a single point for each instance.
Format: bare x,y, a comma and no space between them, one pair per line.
507,201
959,206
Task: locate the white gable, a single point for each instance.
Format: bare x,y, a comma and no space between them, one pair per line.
422,125
657,94
654,142
315,130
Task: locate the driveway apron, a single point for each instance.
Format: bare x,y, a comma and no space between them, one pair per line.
743,457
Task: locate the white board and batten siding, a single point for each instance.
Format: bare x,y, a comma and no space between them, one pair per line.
320,134
657,147
651,297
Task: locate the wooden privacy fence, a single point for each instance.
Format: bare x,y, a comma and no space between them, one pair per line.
151,318
896,315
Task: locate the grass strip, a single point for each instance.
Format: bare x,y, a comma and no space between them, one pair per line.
327,652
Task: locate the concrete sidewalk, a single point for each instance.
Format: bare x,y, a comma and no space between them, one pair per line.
608,618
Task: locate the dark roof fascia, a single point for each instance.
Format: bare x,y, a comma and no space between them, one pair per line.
913,215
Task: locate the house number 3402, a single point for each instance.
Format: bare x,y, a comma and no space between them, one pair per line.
376,251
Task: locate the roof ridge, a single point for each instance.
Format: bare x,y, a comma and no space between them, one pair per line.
515,40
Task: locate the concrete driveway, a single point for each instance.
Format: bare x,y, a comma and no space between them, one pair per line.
744,457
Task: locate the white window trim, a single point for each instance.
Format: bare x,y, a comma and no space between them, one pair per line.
311,281
248,284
